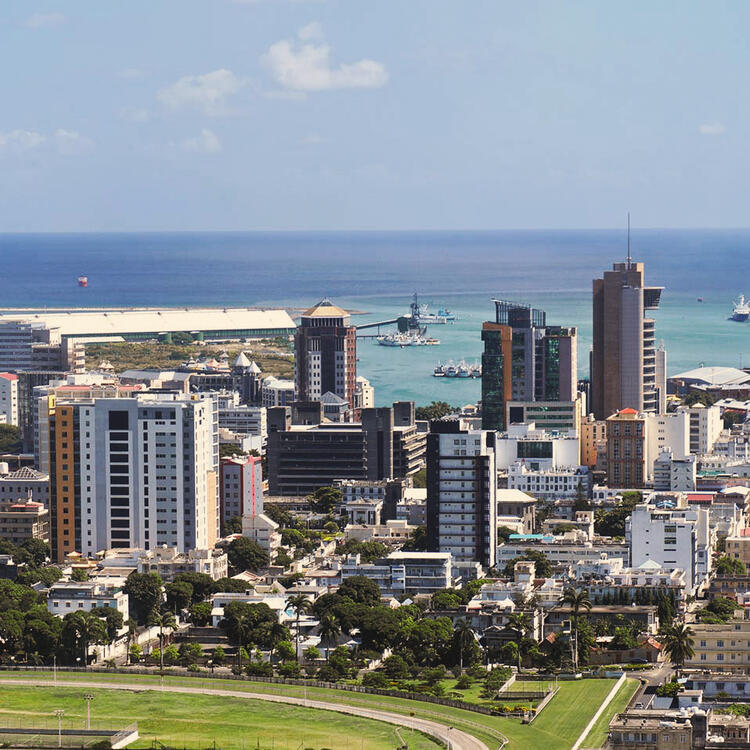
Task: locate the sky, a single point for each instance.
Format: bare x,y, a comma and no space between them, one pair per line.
372,114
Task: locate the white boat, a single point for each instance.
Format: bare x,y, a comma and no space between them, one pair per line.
420,313
741,310
439,371
462,370
450,370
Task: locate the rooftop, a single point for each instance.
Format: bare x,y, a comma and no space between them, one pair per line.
716,376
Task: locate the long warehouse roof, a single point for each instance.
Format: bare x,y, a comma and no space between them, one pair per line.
115,322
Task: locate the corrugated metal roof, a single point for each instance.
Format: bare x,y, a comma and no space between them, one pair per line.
114,322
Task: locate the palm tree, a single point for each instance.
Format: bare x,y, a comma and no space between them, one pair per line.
576,599
163,620
464,634
299,604
89,629
520,623
678,644
132,626
329,630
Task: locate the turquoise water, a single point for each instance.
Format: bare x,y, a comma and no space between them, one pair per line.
377,272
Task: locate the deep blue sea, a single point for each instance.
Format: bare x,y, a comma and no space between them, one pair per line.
377,272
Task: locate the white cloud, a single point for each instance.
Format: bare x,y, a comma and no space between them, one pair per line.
205,143
207,92
308,67
711,128
313,139
312,31
40,20
134,114
21,140
70,142
65,142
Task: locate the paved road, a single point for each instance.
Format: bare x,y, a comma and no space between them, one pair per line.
650,680
455,739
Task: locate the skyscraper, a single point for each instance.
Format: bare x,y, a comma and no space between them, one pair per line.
525,360
325,354
627,370
133,472
462,493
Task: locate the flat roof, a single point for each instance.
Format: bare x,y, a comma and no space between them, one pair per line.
157,320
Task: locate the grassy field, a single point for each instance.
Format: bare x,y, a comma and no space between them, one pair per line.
557,727
273,358
197,721
598,734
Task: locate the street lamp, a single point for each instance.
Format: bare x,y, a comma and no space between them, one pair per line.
59,712
88,698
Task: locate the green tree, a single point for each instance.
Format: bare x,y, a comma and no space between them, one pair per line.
326,499
246,554
161,620
202,583
284,651
10,439
435,410
33,552
219,655
80,630
520,624
232,526
179,595
79,574
543,565
678,645
311,653
132,626
328,630
113,620
47,576
200,614
144,594
361,590
464,636
582,502
729,566
300,604
134,653
367,551
577,600
417,542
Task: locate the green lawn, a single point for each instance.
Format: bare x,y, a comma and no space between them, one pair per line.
557,727
598,734
197,721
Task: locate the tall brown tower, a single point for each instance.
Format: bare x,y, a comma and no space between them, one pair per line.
325,352
627,371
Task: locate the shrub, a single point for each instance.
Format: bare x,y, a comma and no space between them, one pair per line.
463,682
375,680
259,669
193,668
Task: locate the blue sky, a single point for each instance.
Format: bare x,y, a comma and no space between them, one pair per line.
372,114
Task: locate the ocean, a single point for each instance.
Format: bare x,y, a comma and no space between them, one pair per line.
376,273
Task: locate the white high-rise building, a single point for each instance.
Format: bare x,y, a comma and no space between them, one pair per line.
705,427
462,493
674,536
9,398
134,472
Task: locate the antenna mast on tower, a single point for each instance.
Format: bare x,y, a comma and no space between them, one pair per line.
629,258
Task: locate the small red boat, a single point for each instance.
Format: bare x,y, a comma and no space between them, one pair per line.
83,281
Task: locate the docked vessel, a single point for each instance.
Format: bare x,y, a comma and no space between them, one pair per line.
461,370
83,281
420,314
406,339
741,310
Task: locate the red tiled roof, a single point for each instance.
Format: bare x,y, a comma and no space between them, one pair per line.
8,376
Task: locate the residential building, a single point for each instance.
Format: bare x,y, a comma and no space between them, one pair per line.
241,486
70,596
723,647
404,573
168,562
517,504
33,345
462,493
133,472
9,413
384,444
552,416
705,427
559,550
276,392
325,354
738,548
525,360
592,436
547,484
545,450
27,401
627,370
364,394
627,452
672,535
24,483
22,520
672,474
641,730
244,419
